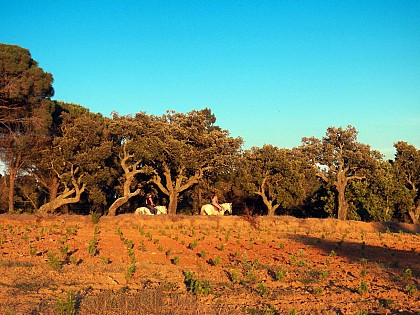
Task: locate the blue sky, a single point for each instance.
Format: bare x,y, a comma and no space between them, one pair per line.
271,71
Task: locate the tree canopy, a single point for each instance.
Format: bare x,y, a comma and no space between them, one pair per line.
275,175
24,90
62,157
340,159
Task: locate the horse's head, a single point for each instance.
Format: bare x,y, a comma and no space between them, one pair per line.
227,207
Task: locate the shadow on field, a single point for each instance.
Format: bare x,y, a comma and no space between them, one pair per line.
396,227
393,260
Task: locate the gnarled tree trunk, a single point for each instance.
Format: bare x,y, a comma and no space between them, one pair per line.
129,173
172,188
15,165
267,202
340,185
68,196
415,214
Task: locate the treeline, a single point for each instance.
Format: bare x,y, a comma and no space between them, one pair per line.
60,157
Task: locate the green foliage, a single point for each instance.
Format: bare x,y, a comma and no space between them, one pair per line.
92,246
363,261
280,274
130,271
215,261
25,90
275,175
407,273
363,288
203,254
379,197
129,244
318,291
192,245
66,306
64,249
95,217
407,168
54,261
181,156
196,286
411,289
339,159
262,289
234,276
105,260
32,250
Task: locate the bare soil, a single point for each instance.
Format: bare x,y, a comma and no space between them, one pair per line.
240,265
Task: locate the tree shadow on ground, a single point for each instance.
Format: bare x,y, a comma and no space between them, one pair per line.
396,227
393,259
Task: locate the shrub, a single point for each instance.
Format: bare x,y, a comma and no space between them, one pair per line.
192,245
407,273
363,288
233,276
66,306
203,254
261,289
175,260
215,261
195,286
92,246
53,261
130,271
105,260
411,289
95,217
280,274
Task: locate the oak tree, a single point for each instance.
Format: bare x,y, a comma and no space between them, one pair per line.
339,159
131,137
407,165
275,175
184,147
78,159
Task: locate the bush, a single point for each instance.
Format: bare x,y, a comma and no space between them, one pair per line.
195,286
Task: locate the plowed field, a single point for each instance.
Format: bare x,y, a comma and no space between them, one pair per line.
206,265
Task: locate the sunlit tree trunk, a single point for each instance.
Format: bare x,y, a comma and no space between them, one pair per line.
173,202
15,165
130,172
69,195
340,185
415,214
267,202
172,187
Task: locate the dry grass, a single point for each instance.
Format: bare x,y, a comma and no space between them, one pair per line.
145,302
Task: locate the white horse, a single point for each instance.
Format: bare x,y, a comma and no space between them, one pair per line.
146,211
209,209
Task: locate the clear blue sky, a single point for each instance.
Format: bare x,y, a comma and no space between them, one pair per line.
271,71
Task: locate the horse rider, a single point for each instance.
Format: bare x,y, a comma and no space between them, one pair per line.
215,202
150,204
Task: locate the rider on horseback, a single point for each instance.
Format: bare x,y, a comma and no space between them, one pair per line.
215,202
150,204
